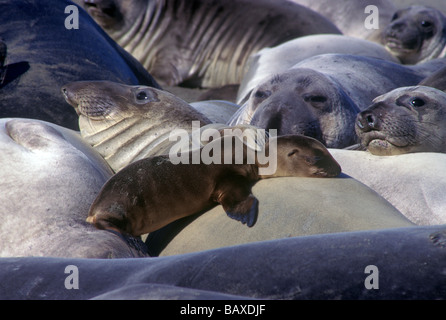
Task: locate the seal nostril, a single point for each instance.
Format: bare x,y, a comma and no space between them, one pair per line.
370,121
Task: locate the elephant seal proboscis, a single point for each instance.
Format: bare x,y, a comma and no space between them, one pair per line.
150,193
405,120
416,34
202,43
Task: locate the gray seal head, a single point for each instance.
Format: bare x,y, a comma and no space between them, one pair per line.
405,120
416,34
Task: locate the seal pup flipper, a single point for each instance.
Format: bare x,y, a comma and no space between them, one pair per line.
234,194
245,211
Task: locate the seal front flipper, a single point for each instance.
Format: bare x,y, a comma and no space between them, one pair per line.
239,203
245,211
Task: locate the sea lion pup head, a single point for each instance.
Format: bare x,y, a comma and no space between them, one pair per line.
122,122
301,156
416,34
307,102
405,120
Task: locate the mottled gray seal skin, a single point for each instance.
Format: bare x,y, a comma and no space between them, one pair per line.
49,178
416,34
150,193
405,120
410,266
127,123
43,55
320,96
202,43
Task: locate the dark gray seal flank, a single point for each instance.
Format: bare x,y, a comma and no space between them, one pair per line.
202,43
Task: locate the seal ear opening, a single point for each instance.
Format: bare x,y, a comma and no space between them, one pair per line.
292,152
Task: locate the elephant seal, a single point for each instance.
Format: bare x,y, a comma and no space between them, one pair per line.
295,210
43,55
50,177
350,16
270,61
126,123
436,80
416,34
320,96
414,183
405,120
407,264
150,193
200,43
218,111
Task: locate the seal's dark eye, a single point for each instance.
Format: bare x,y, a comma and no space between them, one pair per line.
141,96
262,94
395,16
426,24
318,99
314,99
417,102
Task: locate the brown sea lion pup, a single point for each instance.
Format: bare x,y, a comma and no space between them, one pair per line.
150,193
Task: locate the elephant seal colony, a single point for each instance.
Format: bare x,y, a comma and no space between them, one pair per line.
372,228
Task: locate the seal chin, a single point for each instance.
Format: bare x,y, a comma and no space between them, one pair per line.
396,45
379,144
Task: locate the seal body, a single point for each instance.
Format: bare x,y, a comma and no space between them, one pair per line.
43,55
261,270
416,34
405,120
320,96
202,43
414,183
150,193
50,177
